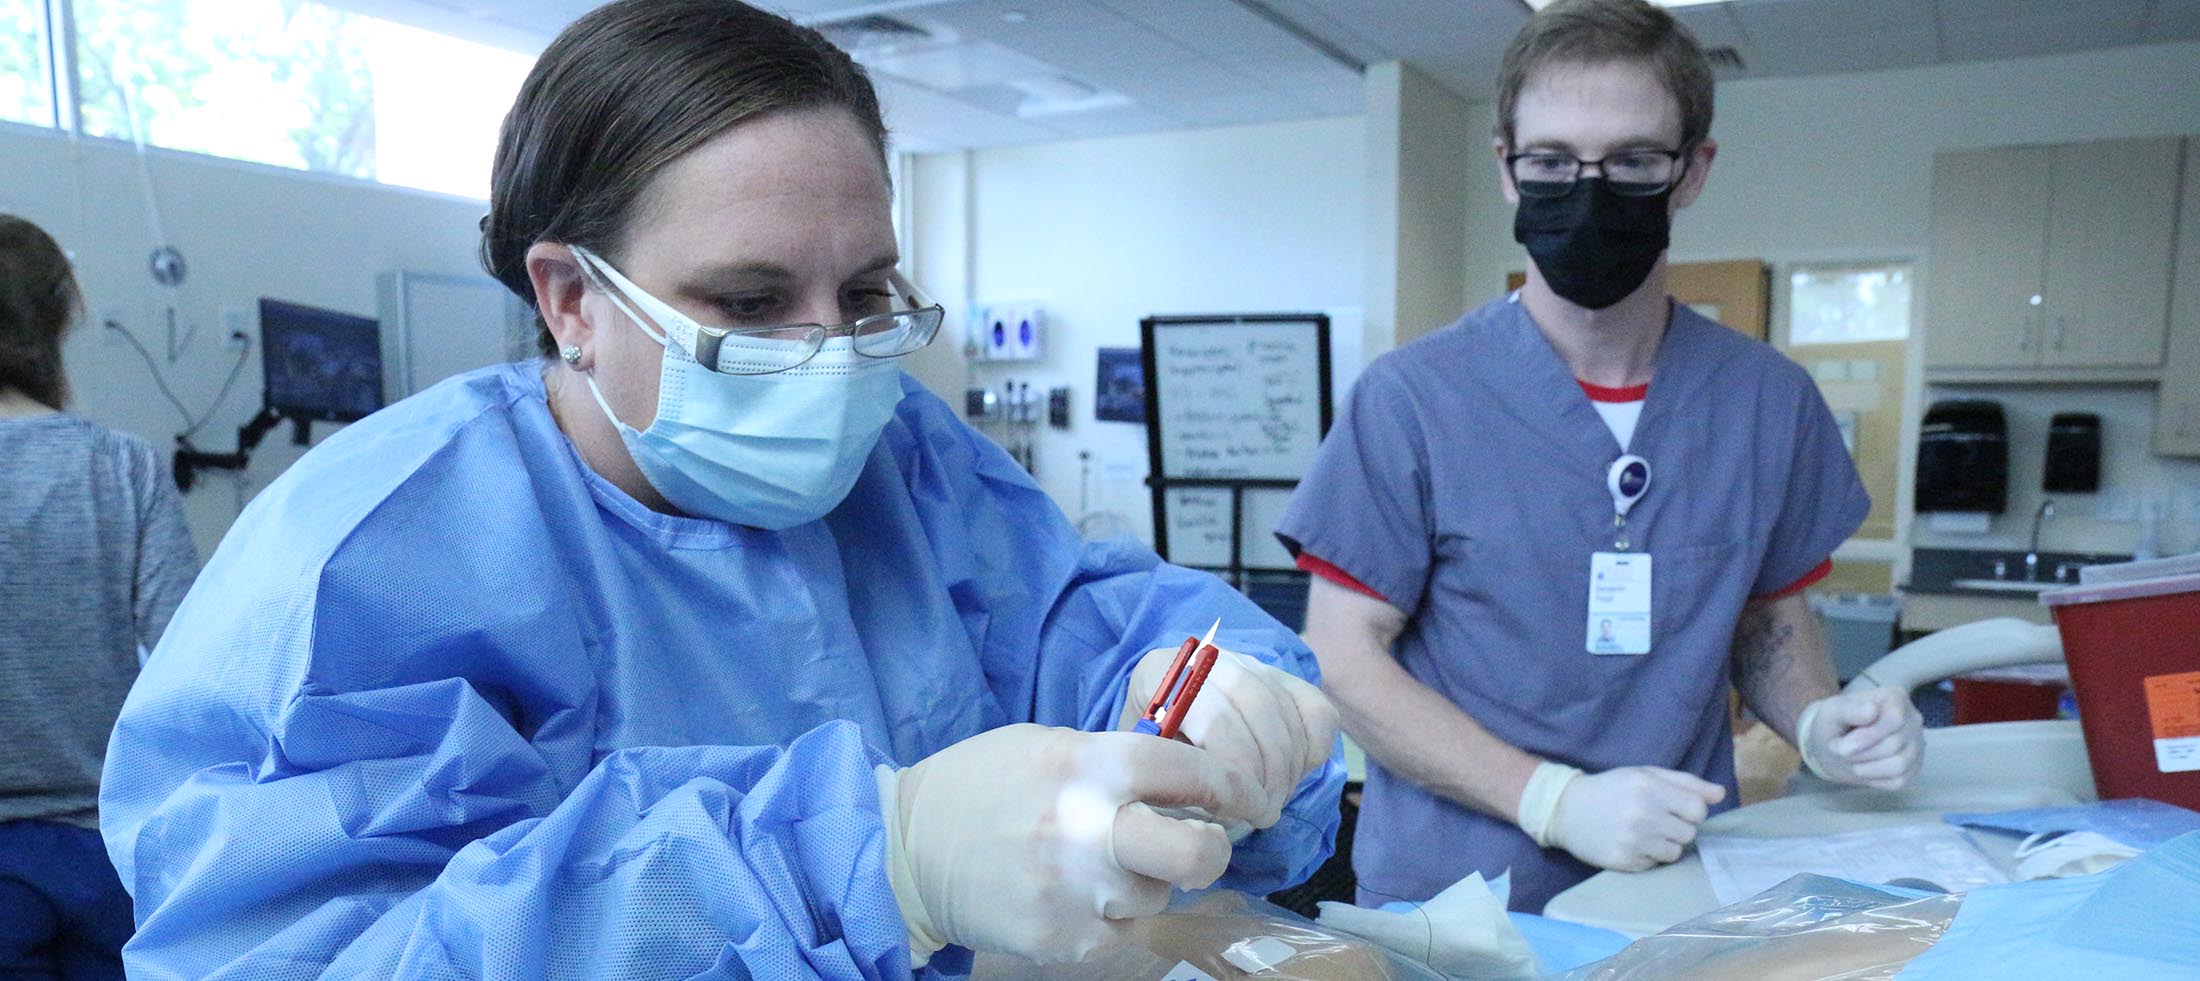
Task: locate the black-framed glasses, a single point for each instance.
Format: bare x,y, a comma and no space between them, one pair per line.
1633,173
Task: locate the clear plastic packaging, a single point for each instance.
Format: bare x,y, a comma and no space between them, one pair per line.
1809,928
1227,936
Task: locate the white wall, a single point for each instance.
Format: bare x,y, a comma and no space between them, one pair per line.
1104,232
247,231
1416,243
1839,167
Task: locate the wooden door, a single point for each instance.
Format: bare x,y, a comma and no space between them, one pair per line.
1734,292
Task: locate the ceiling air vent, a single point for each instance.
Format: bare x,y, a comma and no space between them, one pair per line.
872,31
1725,60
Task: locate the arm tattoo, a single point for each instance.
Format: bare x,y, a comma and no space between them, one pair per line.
1774,668
1759,637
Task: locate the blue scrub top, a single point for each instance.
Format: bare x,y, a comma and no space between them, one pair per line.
448,703
1464,481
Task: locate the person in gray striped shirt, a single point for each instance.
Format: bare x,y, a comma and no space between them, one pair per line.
94,559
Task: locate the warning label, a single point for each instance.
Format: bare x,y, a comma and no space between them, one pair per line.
2173,705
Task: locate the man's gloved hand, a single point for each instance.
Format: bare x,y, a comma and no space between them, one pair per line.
1873,737
1267,722
1039,841
1629,819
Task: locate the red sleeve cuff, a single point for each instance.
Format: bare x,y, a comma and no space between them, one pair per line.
1308,562
1809,579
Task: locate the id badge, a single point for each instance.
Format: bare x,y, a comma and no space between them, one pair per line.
1619,603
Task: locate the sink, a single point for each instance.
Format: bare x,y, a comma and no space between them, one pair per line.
2009,585
1997,571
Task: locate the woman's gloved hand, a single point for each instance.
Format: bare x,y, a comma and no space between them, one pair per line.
1873,737
1627,819
1040,841
1267,722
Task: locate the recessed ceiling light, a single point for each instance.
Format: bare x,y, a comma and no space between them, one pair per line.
1014,16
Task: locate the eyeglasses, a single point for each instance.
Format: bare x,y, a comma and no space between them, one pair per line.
1632,173
768,350
765,350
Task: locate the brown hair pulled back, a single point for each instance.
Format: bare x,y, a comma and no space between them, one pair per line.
625,91
38,301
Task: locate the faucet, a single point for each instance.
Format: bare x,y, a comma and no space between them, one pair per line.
2032,557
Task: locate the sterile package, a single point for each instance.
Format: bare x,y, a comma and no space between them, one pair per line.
1226,936
1809,928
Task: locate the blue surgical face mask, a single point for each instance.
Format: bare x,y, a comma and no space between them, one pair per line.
765,450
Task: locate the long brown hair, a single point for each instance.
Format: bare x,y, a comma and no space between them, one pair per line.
625,91
38,301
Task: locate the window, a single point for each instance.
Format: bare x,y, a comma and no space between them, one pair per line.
439,102
273,82
26,86
295,84
1847,304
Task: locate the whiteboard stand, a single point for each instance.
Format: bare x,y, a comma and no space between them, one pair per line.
1236,406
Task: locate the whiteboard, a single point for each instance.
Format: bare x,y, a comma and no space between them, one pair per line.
1199,527
1238,397
435,326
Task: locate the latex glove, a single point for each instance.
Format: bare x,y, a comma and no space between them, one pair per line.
1872,737
1263,720
1629,819
1039,841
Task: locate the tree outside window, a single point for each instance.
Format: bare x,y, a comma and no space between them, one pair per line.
282,82
26,93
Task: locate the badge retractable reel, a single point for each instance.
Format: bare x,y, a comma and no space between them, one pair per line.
1628,479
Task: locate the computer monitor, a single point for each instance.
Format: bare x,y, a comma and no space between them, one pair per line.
320,364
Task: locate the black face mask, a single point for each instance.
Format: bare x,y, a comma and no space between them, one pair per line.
1593,246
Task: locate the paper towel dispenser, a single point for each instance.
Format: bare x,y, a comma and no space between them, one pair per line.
1963,457
2073,454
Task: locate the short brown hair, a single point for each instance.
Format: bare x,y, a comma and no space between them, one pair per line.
38,300
1595,31
628,89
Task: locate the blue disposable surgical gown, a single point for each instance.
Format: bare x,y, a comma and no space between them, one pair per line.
447,703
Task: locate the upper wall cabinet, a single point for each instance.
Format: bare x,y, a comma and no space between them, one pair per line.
2177,415
2051,263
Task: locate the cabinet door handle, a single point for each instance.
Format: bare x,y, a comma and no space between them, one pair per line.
2062,330
2184,419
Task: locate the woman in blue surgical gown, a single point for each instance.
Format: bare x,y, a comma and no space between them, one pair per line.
704,645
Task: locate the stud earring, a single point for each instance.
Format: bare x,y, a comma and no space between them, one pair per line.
571,354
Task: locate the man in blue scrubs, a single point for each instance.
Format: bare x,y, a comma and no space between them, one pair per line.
1550,537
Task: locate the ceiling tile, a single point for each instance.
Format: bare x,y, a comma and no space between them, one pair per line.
1714,25
1880,51
1114,122
1808,22
1215,62
1329,100
2173,20
1988,29
922,120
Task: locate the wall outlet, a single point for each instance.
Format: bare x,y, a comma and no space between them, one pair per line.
240,327
113,313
